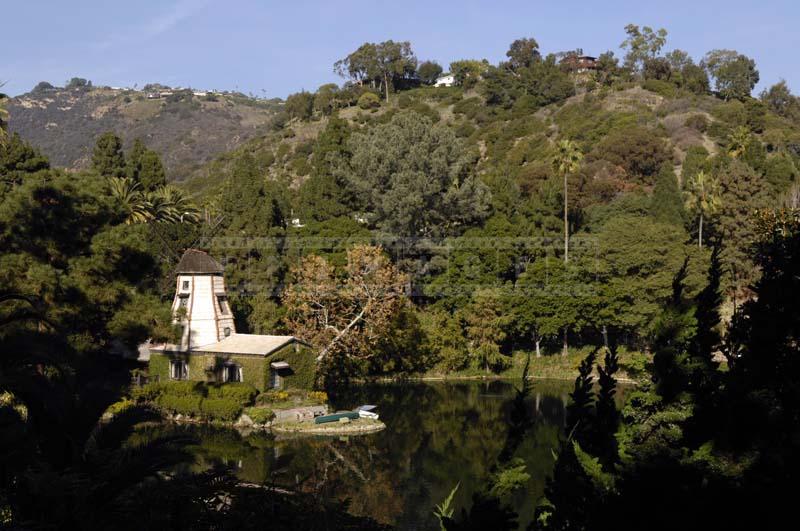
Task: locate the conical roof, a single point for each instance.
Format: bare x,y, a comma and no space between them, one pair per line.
196,262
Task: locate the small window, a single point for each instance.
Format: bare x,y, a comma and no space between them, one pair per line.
232,373
185,284
223,305
184,303
178,370
227,331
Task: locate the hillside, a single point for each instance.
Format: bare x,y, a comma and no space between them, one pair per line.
186,130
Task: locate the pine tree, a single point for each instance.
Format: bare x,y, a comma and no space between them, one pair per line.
151,171
108,158
666,204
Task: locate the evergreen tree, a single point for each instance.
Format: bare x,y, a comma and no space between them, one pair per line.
326,195
145,167
580,409
707,338
108,158
151,171
666,204
18,160
742,193
607,416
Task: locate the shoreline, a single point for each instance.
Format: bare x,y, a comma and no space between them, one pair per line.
355,427
442,378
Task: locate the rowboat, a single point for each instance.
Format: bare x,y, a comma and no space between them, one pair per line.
366,412
334,417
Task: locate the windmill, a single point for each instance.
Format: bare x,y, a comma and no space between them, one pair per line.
171,251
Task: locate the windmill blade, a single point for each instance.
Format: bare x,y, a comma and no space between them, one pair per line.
211,228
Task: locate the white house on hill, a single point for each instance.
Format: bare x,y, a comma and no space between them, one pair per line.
447,80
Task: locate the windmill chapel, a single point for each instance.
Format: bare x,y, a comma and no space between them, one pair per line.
210,350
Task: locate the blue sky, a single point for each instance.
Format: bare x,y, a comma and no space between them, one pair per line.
274,48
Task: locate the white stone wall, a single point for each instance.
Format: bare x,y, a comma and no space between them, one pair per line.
205,321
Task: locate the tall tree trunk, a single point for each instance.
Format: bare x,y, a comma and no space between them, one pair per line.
700,234
386,85
538,351
566,225
565,351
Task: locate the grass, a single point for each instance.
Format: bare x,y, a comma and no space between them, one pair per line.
550,366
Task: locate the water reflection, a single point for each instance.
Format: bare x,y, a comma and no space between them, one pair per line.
438,434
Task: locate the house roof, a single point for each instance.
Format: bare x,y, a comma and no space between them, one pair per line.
247,344
195,262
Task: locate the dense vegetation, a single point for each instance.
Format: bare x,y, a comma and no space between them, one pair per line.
471,190
532,209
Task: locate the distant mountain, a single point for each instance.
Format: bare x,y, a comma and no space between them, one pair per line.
187,128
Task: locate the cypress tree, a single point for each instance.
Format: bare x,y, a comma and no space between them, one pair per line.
607,416
108,158
666,204
708,301
151,171
579,411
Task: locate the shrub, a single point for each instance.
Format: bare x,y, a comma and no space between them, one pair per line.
698,122
318,396
426,110
469,107
118,407
369,100
220,409
184,388
663,88
273,395
639,150
259,415
148,393
241,393
464,130
300,105
185,405
731,112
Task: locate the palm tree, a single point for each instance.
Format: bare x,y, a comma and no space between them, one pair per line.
169,204
166,204
703,197
567,160
738,142
129,194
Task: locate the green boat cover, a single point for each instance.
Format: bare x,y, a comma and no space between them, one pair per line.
334,417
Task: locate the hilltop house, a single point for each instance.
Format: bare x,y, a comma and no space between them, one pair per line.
211,350
579,64
447,80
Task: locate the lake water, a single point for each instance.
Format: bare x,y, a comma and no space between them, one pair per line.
438,435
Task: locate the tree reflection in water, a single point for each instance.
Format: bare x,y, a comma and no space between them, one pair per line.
437,435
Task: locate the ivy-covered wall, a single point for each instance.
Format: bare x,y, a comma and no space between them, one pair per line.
255,369
303,364
159,367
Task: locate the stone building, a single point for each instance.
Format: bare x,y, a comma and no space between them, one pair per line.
211,350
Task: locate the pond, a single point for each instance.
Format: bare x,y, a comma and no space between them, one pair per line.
438,435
